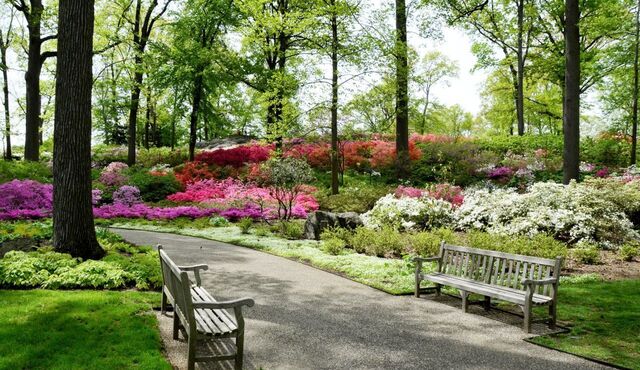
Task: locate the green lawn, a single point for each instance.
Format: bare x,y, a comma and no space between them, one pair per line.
42,329
604,318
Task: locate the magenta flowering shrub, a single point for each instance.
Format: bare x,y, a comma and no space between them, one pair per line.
25,199
230,193
500,173
127,195
236,157
113,175
142,210
96,196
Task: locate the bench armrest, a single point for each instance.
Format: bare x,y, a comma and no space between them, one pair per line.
194,267
426,259
196,271
226,304
534,282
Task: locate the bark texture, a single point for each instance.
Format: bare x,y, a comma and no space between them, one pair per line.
73,227
402,91
571,116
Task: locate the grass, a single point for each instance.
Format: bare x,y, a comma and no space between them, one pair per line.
393,276
604,318
42,329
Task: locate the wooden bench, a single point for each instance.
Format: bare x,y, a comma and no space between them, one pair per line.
523,280
198,314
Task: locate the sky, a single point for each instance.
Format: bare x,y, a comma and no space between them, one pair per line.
455,44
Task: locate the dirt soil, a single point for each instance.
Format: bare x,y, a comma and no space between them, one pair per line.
20,244
610,267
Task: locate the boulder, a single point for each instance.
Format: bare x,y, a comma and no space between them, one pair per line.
225,143
320,220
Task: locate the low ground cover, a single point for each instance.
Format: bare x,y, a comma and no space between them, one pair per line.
44,329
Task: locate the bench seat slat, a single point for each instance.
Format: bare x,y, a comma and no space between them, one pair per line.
499,292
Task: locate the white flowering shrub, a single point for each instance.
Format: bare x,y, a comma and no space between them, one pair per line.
407,213
572,213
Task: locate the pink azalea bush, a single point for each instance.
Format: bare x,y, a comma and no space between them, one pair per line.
229,192
127,195
113,175
450,193
142,210
406,191
25,199
236,157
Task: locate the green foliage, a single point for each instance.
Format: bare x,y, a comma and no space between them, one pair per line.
245,224
333,246
154,188
586,253
25,170
539,245
125,265
453,162
384,242
358,199
286,176
628,252
218,221
292,230
611,152
37,231
427,243
261,230
158,156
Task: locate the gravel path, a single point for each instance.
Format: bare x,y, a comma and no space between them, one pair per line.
305,318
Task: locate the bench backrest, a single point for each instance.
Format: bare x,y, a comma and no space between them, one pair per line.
497,268
179,286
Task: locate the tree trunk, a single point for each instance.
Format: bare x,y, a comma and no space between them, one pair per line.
520,70
5,92
133,112
571,116
402,91
32,80
73,227
335,164
634,130
147,122
195,108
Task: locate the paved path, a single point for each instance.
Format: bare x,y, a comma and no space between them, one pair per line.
305,318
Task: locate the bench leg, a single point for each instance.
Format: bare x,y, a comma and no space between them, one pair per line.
527,318
487,303
239,350
418,278
552,315
438,289
163,303
191,356
465,301
176,325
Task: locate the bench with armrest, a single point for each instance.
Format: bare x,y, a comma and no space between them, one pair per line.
198,314
522,280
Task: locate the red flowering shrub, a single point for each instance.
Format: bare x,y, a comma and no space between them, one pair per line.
235,157
191,172
318,155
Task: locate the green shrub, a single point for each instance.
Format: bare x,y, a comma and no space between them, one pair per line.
383,242
539,245
218,221
37,231
337,233
358,199
628,252
93,274
586,253
25,170
154,188
333,246
261,230
427,243
290,229
157,156
245,224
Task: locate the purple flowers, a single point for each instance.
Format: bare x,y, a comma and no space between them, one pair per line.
25,199
152,213
127,196
499,173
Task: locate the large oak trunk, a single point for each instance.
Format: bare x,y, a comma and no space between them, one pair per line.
73,227
32,80
571,116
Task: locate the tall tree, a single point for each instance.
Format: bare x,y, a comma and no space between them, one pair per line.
73,227
434,68
143,23
33,13
507,24
571,115
402,91
634,130
5,41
